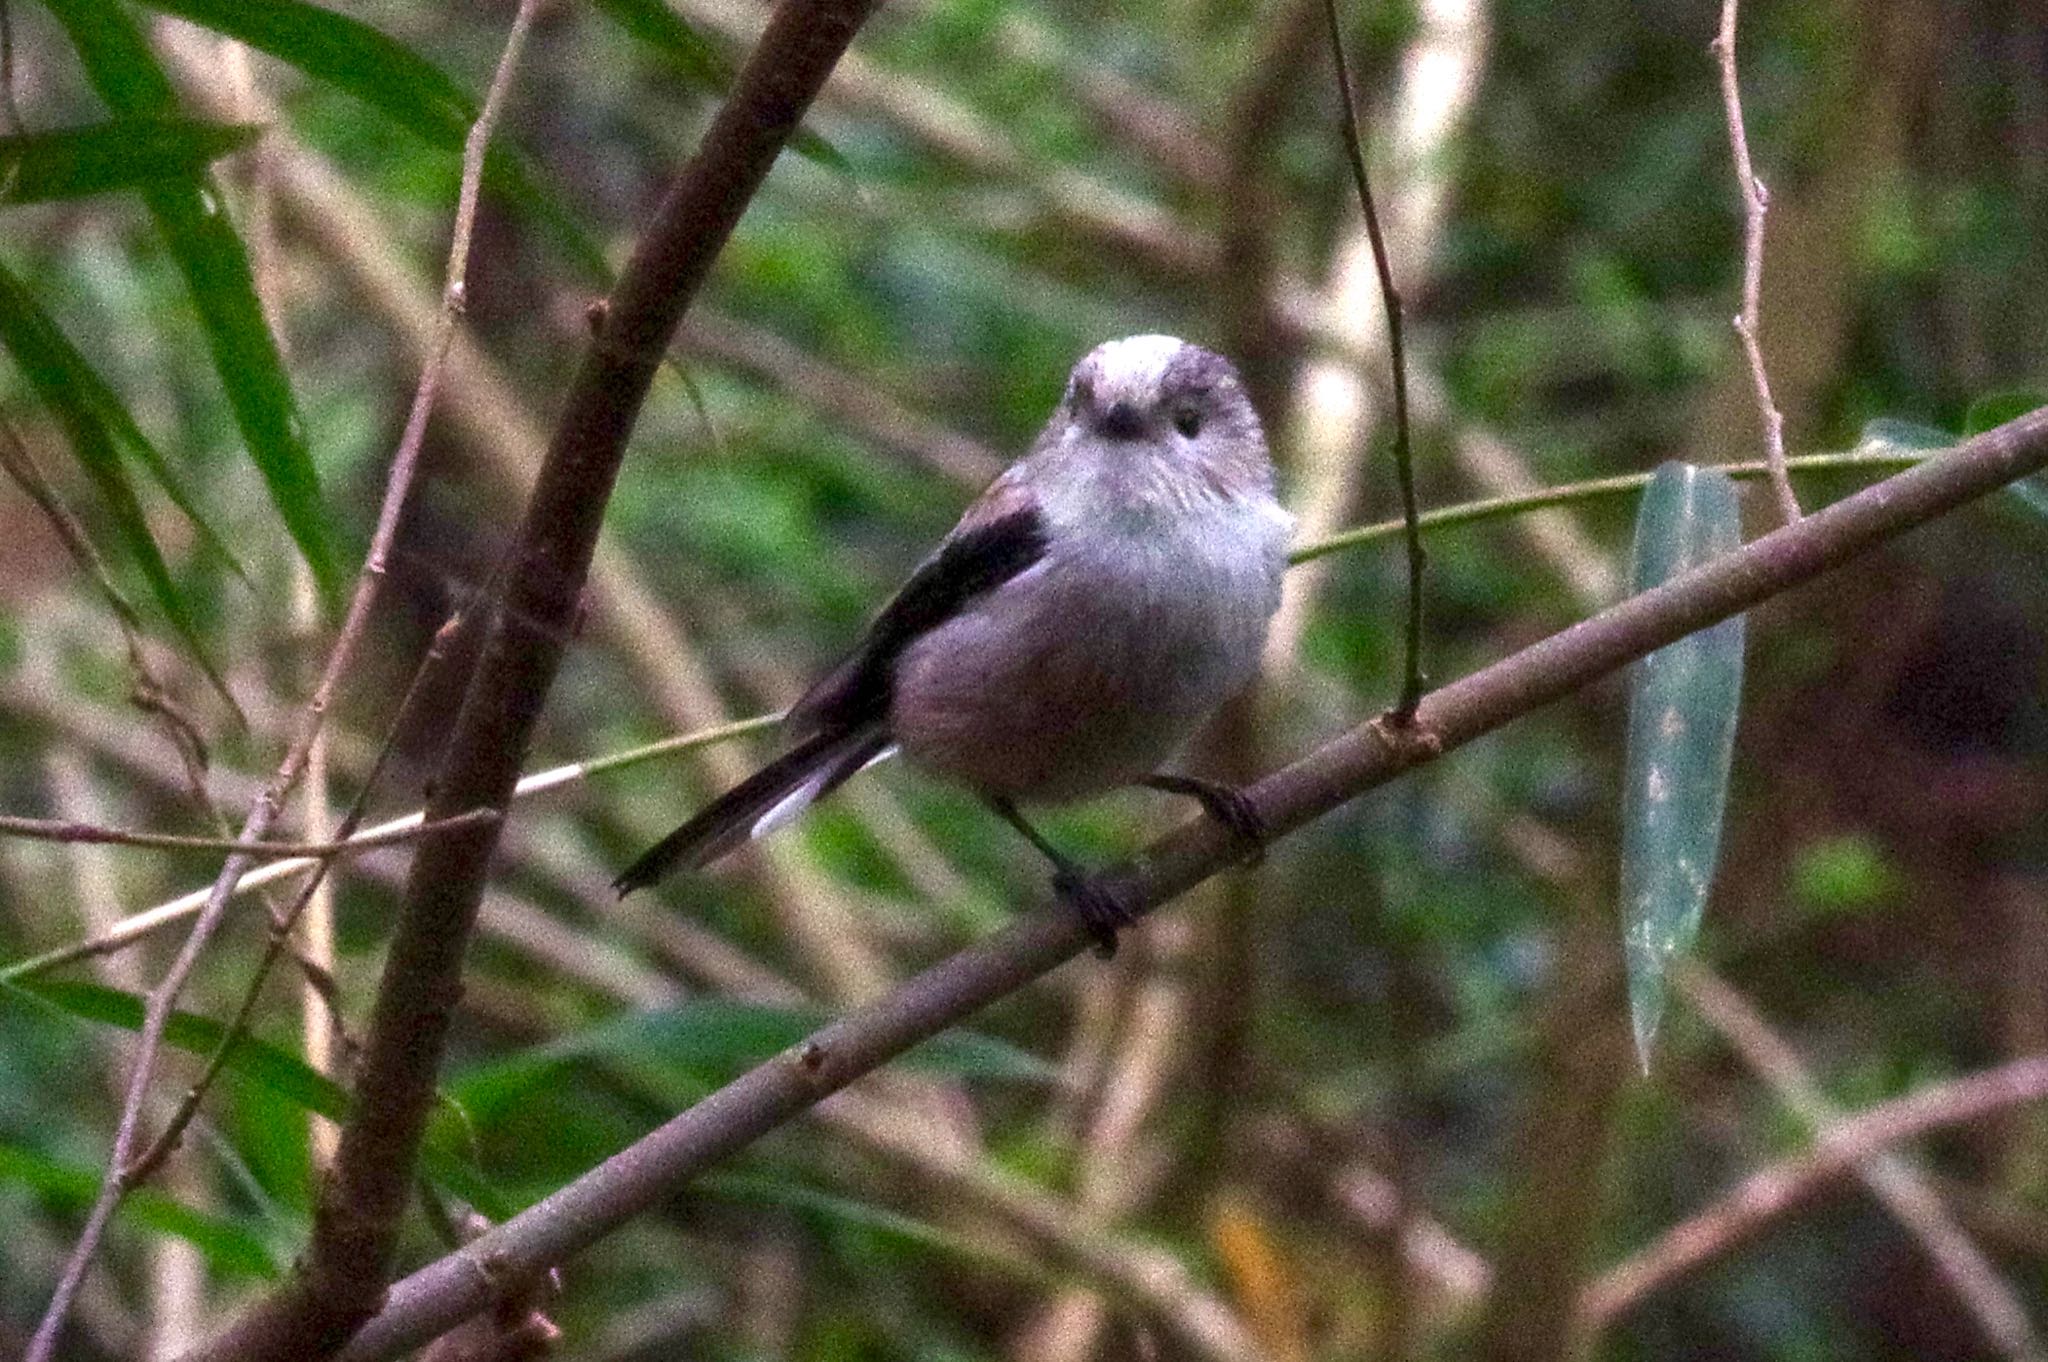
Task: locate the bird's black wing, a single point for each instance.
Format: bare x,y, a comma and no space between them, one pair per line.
973,562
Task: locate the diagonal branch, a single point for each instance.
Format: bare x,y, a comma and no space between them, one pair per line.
1754,1204
356,1223
1896,1180
449,1290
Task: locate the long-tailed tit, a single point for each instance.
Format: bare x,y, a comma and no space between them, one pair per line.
1105,594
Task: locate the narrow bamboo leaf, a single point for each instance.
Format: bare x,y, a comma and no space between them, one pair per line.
229,1247
390,77
121,154
2032,493
1995,410
685,50
44,344
701,65
67,386
209,254
256,1060
1683,704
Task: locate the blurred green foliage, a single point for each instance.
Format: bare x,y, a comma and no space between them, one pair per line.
1425,989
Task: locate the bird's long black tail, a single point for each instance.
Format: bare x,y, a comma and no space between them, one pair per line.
762,802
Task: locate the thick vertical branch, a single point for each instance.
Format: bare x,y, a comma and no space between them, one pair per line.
356,1224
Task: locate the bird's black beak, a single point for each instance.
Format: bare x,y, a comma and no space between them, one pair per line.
1123,421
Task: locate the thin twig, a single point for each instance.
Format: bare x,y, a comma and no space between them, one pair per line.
139,925
457,1285
163,998
357,1217
20,465
1756,201
1753,1204
65,830
146,690
1404,466
319,1019
1892,1178
424,681
1594,489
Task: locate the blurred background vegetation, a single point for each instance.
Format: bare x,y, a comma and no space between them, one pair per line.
1375,1099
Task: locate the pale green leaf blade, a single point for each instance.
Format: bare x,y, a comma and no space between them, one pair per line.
1684,700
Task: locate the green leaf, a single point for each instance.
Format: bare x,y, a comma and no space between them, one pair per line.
1845,874
209,254
122,154
92,418
253,1060
1911,437
230,1248
701,65
390,77
2032,493
1995,409
663,31
676,1053
98,401
1683,703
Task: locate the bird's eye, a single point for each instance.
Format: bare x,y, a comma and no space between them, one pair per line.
1188,421
1083,392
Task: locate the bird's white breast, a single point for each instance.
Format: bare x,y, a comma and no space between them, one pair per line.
1093,666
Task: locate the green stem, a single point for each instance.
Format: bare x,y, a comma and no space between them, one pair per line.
1598,489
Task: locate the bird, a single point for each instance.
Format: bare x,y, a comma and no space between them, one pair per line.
1094,605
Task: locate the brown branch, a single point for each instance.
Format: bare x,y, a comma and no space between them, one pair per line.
1397,358
1756,202
1758,1200
162,1000
1899,1184
357,1219
460,1284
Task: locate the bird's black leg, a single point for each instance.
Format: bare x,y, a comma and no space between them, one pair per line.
1226,804
1099,910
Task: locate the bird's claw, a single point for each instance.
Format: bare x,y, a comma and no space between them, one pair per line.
1100,910
1241,818
1227,805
